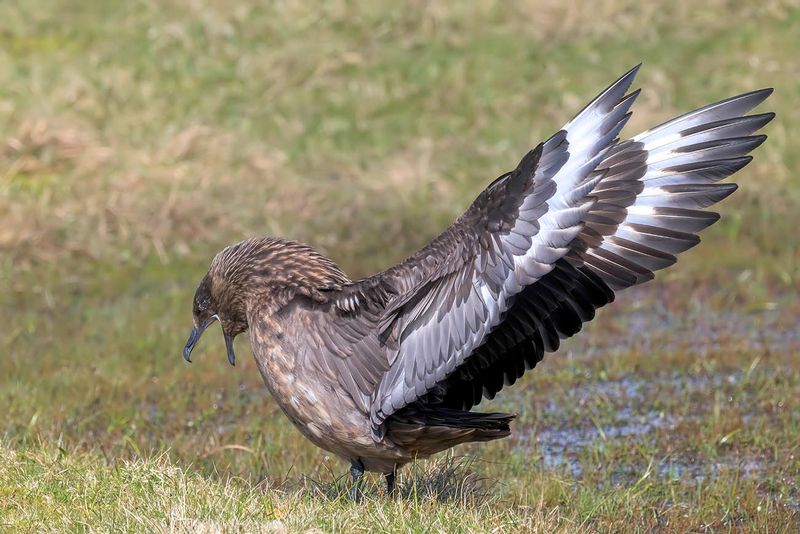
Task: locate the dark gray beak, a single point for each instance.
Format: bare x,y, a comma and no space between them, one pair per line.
229,348
190,343
194,337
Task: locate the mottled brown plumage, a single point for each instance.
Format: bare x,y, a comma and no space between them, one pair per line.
387,369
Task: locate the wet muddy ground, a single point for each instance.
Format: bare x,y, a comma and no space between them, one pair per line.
688,396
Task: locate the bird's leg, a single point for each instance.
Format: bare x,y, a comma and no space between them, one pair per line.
357,471
390,483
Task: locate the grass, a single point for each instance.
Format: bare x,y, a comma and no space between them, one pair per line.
138,138
156,495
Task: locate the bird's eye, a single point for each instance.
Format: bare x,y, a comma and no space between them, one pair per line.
203,304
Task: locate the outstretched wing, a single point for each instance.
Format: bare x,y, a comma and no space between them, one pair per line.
537,253
444,301
639,222
648,209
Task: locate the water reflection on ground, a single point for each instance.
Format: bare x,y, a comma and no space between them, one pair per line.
591,420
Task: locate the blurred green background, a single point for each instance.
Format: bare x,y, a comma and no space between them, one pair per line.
138,138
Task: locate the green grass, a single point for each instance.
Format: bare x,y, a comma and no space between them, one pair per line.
138,138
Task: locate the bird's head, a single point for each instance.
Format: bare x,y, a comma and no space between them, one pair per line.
223,292
263,273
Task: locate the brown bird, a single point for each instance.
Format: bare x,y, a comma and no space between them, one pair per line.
387,369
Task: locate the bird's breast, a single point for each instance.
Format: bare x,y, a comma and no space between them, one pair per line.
310,399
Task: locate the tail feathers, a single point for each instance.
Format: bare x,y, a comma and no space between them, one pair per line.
428,430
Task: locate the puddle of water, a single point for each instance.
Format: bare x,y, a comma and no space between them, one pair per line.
560,448
563,446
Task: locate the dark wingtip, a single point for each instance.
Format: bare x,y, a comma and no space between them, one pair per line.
766,118
630,75
758,96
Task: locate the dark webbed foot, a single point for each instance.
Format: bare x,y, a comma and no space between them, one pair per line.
390,490
356,471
